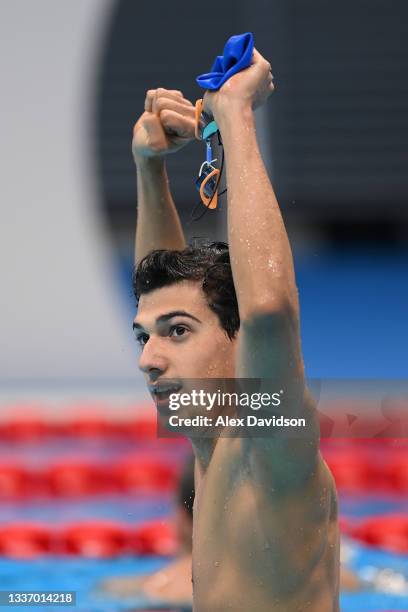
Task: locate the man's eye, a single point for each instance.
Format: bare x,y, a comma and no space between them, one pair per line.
142,339
177,330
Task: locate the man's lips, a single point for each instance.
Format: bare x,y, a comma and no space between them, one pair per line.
162,391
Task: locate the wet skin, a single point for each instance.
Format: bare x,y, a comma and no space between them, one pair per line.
260,541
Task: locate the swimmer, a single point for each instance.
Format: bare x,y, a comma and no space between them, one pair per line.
265,529
171,585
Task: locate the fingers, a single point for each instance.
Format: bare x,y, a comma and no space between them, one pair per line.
257,58
152,95
176,114
163,103
154,130
149,100
175,123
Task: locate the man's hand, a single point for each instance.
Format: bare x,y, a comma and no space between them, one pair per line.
166,126
249,88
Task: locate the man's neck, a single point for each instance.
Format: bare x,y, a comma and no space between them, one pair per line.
203,449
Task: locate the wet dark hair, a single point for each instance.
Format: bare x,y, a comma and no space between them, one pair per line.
207,263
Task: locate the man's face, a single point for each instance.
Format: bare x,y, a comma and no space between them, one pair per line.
181,339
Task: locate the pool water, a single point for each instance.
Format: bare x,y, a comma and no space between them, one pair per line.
83,575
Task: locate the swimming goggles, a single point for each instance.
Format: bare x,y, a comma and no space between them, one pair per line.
209,176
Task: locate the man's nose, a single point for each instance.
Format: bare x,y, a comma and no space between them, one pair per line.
152,358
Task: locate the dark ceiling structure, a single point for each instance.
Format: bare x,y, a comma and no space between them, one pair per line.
337,123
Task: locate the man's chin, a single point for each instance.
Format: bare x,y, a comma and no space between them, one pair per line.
164,412
162,406
163,420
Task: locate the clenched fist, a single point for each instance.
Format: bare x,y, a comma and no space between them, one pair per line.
249,88
166,126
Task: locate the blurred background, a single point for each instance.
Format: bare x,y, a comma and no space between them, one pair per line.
333,137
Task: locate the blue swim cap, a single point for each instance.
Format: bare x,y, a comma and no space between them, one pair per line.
237,56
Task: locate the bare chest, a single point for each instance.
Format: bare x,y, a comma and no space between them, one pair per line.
248,551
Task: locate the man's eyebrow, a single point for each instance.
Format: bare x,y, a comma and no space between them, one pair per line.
169,315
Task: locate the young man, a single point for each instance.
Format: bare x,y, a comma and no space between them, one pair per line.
265,533
171,585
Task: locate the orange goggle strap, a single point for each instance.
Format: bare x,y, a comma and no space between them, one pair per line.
211,202
205,126
198,111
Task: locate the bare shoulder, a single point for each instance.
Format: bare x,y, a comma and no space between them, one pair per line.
298,527
310,498
296,487
286,460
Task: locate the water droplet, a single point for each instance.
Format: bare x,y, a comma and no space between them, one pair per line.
217,563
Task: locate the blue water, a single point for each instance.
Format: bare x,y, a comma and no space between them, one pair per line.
364,557
123,508
371,504
137,508
84,576
76,574
39,455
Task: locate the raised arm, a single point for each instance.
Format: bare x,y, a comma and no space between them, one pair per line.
263,272
261,257
165,127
